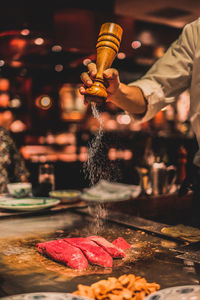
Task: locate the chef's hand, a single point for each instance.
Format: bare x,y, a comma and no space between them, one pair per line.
111,77
129,98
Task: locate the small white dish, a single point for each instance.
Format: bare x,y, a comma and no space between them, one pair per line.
184,292
19,189
66,196
45,295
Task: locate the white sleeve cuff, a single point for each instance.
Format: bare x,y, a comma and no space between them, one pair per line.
155,98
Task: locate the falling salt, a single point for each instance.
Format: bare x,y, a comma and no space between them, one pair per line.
98,223
95,169
91,167
98,166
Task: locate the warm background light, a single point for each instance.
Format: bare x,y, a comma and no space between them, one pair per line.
43,102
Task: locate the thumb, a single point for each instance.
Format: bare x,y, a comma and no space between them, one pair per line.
112,78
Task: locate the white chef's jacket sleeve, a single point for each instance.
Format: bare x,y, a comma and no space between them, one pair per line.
170,75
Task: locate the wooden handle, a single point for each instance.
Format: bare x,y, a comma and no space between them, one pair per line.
107,46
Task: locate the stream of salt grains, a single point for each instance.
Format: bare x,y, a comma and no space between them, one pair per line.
93,167
96,168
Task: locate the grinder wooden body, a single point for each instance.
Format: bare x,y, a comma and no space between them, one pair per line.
107,47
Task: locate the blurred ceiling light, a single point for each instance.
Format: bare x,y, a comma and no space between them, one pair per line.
136,44
86,61
4,84
2,63
56,48
112,154
25,31
120,154
15,102
6,119
17,126
39,41
159,51
50,138
123,119
4,99
121,55
73,49
43,102
127,154
146,37
111,125
58,68
61,139
83,156
18,44
16,63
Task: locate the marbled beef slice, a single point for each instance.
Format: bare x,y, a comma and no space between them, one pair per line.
112,249
121,243
65,253
94,253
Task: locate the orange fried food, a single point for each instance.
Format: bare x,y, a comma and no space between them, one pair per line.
123,288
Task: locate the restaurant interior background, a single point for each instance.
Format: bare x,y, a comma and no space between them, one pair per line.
44,47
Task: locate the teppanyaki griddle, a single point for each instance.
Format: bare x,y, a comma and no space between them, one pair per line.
138,223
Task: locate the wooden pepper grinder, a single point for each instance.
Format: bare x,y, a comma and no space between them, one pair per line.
107,46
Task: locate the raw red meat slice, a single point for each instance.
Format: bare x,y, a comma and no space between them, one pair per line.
112,249
65,253
42,246
121,243
94,253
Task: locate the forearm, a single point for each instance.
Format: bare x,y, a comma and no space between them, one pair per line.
130,99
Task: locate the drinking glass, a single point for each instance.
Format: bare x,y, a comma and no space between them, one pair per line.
46,179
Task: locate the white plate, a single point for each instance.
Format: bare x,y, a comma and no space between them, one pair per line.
105,198
27,204
105,191
184,292
42,295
